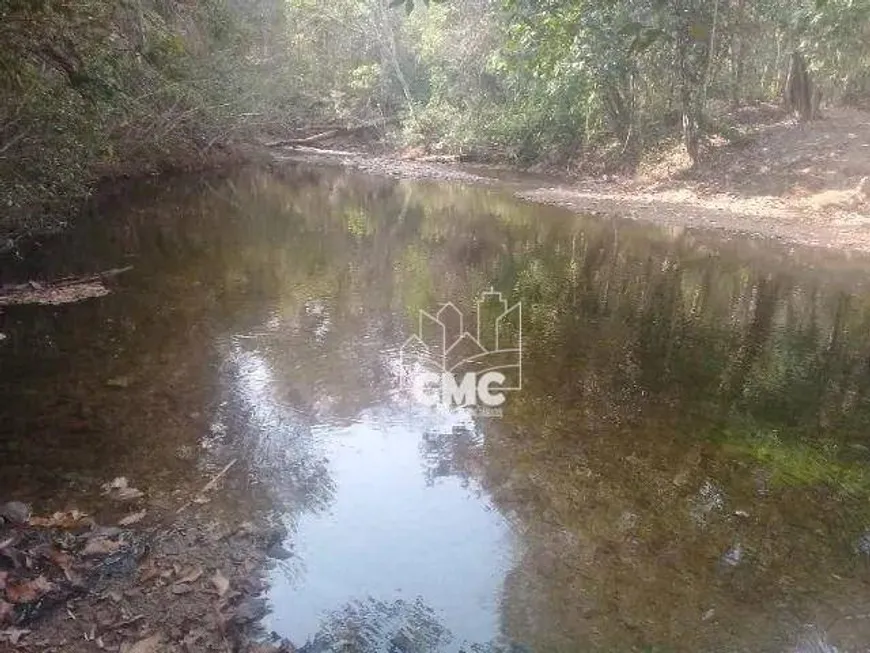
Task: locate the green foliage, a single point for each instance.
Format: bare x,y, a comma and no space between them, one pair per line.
579,71
95,87
99,88
799,463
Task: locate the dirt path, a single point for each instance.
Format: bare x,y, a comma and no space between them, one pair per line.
803,184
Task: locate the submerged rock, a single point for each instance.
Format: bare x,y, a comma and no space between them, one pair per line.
862,545
732,557
278,552
250,610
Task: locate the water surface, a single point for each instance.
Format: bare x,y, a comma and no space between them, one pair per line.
684,469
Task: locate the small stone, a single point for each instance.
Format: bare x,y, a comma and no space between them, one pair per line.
149,645
15,512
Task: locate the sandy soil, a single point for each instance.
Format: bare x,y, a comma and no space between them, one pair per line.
805,184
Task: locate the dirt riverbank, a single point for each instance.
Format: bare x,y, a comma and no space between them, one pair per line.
142,575
806,184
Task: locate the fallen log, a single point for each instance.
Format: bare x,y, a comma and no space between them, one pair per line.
322,136
60,291
329,133
302,149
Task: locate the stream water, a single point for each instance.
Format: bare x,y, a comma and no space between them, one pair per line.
685,468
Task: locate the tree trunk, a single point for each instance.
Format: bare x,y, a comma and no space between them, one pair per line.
688,93
737,56
711,55
388,44
801,97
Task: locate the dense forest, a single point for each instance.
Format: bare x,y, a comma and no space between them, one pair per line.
98,88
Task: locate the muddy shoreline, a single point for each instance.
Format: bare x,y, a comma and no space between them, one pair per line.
758,191
609,199
156,579
754,239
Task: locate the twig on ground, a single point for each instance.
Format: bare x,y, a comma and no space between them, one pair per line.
210,485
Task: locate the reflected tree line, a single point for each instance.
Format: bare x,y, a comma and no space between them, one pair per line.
670,391
688,446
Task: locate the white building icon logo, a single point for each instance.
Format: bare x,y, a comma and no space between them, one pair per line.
451,365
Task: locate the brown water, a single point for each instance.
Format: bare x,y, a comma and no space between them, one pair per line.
685,468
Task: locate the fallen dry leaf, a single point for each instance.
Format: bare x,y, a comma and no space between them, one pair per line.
120,490
191,575
28,591
133,518
74,578
64,520
147,645
3,576
14,635
221,584
99,546
61,559
118,484
148,571
181,588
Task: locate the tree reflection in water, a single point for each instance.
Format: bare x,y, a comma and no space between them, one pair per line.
686,465
372,626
